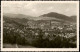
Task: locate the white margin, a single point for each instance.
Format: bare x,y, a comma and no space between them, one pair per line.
41,49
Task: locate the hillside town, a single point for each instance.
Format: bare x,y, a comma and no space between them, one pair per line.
32,32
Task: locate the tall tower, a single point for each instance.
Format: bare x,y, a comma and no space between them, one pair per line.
50,24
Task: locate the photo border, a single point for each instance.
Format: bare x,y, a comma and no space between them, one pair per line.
41,49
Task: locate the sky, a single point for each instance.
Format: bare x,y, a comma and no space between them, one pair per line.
37,9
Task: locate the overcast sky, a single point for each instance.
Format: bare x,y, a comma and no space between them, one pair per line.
37,9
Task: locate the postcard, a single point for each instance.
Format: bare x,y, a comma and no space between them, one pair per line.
39,26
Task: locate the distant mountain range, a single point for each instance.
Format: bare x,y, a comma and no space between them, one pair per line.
18,16
60,16
45,18
48,16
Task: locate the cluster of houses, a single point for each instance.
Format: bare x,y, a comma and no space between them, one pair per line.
49,30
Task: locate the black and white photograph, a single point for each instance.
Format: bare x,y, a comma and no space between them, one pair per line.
40,25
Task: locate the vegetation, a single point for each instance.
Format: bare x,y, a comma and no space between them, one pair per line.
40,40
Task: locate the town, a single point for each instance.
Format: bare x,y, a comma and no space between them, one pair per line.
50,35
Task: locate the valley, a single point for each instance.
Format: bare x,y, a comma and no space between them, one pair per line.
51,30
